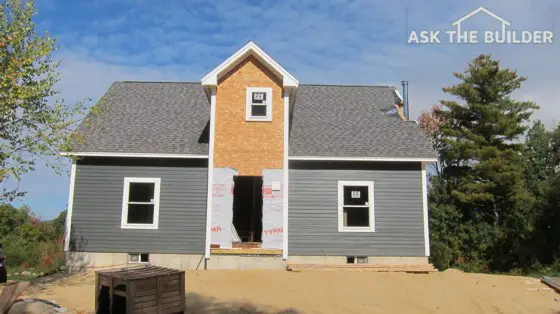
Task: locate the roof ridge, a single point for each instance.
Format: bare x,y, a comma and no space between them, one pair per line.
159,82
198,83
350,85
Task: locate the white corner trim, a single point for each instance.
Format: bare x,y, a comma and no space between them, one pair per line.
133,155
341,185
210,174
249,103
211,79
395,159
425,210
285,173
124,215
68,229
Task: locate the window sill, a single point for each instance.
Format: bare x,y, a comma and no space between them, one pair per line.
248,119
139,226
356,229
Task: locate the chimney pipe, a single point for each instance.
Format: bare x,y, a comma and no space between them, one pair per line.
405,99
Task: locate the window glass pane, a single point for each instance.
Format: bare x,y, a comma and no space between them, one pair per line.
141,192
259,98
144,257
356,217
133,258
258,111
356,195
140,214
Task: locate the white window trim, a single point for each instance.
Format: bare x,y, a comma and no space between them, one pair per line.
124,216
139,258
341,227
249,102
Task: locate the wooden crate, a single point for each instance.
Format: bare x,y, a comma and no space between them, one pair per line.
143,289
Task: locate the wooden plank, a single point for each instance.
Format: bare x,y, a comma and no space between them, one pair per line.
144,293
170,294
145,304
148,310
171,304
158,294
120,293
111,295
172,283
145,298
97,289
183,292
245,252
176,287
553,282
130,300
172,310
171,299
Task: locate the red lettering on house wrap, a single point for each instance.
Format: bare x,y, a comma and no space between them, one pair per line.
277,230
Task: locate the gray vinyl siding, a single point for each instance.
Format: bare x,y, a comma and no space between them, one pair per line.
313,210
97,207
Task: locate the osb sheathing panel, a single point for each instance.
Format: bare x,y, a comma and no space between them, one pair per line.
248,146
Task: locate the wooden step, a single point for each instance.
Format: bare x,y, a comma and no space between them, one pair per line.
409,268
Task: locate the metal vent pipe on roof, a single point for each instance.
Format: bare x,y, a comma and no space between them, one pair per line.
405,99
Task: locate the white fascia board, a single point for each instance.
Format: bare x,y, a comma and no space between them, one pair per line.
134,155
211,79
396,159
68,229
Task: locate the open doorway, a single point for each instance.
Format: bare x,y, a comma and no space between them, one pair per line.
247,208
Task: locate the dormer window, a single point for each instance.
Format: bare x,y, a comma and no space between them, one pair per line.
259,104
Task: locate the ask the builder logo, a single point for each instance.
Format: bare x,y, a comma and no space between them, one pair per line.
461,36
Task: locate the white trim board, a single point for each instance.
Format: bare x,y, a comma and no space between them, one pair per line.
211,79
396,159
425,210
132,155
285,173
68,229
209,188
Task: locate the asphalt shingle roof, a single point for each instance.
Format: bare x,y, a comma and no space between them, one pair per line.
146,117
327,121
351,121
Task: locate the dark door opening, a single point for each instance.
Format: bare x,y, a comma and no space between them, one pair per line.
247,208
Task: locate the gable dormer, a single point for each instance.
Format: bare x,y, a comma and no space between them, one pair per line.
251,92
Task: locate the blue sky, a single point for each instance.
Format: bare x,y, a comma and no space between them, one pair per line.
330,42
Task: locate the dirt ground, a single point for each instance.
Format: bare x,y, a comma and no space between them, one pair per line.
335,292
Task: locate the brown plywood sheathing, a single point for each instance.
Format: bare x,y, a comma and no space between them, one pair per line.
248,146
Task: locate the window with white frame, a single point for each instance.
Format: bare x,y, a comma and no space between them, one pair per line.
259,104
140,203
141,258
355,206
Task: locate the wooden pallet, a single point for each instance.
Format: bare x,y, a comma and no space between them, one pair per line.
413,268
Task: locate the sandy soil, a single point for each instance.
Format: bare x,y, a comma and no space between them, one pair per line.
335,292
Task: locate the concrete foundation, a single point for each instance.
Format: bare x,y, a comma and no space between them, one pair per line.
83,261
246,262
384,260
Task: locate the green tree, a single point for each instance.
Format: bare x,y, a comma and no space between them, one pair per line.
34,125
483,170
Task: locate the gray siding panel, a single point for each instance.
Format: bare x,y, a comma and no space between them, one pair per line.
313,210
97,208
